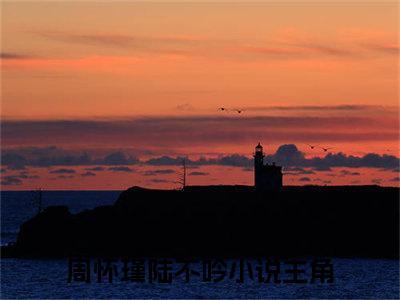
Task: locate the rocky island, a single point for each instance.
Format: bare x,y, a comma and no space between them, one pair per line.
229,221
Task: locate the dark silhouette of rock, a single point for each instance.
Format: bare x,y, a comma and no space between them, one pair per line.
225,221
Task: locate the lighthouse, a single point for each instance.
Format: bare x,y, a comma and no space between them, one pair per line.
267,177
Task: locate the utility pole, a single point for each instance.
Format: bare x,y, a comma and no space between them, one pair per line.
37,199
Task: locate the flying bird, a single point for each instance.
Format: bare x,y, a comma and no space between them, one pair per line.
325,149
239,111
222,109
312,146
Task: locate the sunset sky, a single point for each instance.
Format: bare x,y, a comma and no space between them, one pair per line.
106,95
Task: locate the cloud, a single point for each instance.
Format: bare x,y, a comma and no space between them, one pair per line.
185,107
290,157
295,44
326,49
194,45
13,161
120,169
229,160
298,171
95,169
173,132
156,180
177,132
272,51
42,157
116,39
287,155
305,179
91,39
10,55
322,168
65,176
148,44
346,173
395,179
234,160
10,180
324,108
390,49
19,158
198,173
88,174
117,158
25,175
63,171
166,161
158,172
320,180
279,46
299,50
17,179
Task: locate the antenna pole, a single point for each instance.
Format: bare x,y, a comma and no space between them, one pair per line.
184,174
37,199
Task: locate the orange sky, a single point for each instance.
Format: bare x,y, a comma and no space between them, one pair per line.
90,61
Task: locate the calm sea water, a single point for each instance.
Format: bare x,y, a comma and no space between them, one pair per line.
25,278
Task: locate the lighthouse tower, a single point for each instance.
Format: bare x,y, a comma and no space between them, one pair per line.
258,164
266,177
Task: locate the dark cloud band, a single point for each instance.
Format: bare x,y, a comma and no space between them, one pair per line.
287,155
176,132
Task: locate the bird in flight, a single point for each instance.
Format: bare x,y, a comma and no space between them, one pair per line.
222,109
325,149
312,146
239,111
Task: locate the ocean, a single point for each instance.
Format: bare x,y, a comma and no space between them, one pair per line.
48,278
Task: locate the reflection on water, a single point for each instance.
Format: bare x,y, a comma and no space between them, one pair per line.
354,278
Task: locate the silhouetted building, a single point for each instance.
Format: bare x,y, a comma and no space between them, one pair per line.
266,177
